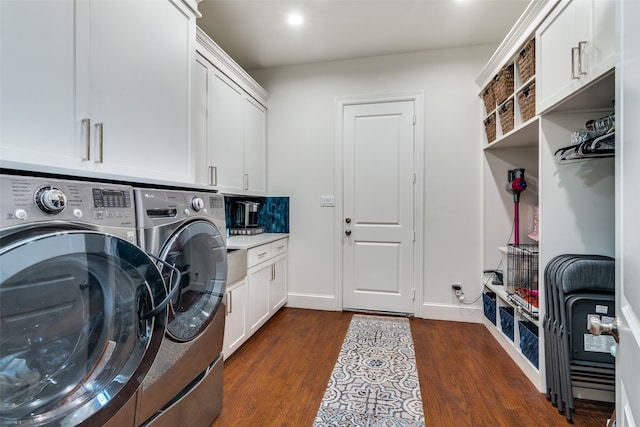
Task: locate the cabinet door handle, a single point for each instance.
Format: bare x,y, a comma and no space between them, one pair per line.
99,140
213,175
246,181
260,255
273,272
574,50
581,47
86,135
229,302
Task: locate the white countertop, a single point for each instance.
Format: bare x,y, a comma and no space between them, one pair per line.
247,242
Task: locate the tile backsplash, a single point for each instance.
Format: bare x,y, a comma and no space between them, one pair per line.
273,213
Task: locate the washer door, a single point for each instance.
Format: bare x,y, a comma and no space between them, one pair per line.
198,250
72,333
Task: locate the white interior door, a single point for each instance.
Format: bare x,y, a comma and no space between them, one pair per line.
628,210
378,206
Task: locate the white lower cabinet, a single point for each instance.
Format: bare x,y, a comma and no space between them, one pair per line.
259,278
235,327
278,284
253,300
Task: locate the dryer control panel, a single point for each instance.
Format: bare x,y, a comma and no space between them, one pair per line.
157,207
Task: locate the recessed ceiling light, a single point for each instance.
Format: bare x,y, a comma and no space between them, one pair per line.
295,19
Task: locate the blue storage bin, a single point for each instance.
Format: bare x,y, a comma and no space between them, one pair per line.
529,341
506,321
489,306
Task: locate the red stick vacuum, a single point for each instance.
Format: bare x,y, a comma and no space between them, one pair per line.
515,186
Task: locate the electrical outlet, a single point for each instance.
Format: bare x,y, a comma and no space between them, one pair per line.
457,288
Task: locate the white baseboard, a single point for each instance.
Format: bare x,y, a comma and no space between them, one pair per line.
312,302
455,313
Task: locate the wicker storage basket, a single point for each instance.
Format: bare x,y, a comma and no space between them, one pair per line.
506,116
527,101
490,127
526,61
489,98
503,83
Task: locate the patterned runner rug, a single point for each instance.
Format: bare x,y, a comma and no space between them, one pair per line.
375,380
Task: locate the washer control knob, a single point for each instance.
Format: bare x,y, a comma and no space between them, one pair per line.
50,200
21,214
197,203
77,213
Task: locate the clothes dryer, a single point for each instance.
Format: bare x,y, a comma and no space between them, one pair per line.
82,308
186,229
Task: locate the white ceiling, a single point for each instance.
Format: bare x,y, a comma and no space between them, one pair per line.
255,33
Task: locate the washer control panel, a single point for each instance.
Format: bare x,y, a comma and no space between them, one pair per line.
26,200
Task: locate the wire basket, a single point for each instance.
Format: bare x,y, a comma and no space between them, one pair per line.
489,98
522,277
526,61
490,127
506,116
503,83
527,101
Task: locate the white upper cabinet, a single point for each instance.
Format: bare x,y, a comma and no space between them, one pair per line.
226,145
576,46
140,85
38,68
230,126
255,146
199,132
98,86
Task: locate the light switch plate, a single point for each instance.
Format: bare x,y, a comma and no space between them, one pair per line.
327,201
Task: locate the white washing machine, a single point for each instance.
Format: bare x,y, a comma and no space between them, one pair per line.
82,308
186,229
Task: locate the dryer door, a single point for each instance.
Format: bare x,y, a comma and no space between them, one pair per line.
198,250
73,344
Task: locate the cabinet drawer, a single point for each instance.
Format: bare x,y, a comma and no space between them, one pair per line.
258,254
279,247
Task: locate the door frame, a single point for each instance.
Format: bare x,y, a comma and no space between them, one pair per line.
417,98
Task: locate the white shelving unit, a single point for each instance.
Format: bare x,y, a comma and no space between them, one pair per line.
576,201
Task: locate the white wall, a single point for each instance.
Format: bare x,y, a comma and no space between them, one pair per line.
301,165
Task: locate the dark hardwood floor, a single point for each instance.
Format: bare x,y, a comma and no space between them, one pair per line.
279,376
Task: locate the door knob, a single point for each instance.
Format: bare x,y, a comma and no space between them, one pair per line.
347,232
348,220
597,327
